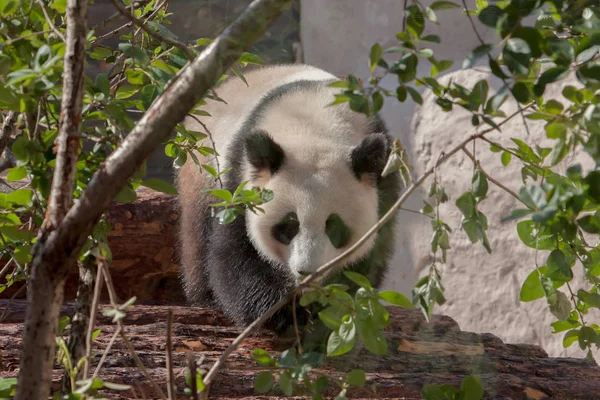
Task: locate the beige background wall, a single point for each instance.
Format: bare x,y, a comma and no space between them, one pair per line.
482,290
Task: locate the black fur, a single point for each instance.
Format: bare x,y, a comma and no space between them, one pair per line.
370,156
262,152
241,283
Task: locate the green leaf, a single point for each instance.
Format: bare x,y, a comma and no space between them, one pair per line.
356,378
332,317
443,5
479,184
7,387
126,195
227,215
587,337
517,54
406,68
521,92
490,15
263,382
591,299
126,91
16,174
561,50
440,66
558,267
22,254
372,337
375,55
590,223
222,194
309,297
472,388
532,287
342,340
286,384
476,54
137,53
414,95
466,204
21,197
570,337
160,185
359,279
561,307
262,357
397,299
505,158
549,76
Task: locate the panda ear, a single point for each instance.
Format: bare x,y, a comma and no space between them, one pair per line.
368,159
263,153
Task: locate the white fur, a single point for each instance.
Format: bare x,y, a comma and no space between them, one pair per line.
315,180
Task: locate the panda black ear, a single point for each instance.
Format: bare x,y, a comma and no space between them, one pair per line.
368,159
263,153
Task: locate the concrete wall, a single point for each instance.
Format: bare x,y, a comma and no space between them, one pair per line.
482,290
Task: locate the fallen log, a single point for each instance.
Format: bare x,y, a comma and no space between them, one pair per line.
420,352
142,243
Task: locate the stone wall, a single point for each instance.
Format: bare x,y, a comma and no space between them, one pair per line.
482,290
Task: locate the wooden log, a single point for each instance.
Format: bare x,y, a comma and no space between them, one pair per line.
420,353
142,242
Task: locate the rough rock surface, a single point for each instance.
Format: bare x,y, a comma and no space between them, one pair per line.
483,289
419,353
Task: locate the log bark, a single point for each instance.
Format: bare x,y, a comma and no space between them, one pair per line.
421,353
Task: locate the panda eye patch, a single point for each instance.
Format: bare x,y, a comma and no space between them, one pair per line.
339,234
287,228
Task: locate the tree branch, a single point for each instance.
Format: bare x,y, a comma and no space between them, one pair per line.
51,23
55,253
45,293
8,129
70,115
142,25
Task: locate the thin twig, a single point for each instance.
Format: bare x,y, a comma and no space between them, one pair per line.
192,368
170,377
106,351
50,22
92,321
330,266
113,300
8,129
156,35
214,147
295,317
489,177
13,297
11,41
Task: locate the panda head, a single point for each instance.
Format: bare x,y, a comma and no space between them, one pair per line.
325,193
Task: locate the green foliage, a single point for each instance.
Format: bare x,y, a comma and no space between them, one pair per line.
471,388
349,319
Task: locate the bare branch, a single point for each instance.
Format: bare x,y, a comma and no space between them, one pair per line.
490,178
170,378
70,115
92,320
51,23
113,300
330,266
8,129
156,35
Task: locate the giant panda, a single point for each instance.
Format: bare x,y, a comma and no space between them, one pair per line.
322,162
